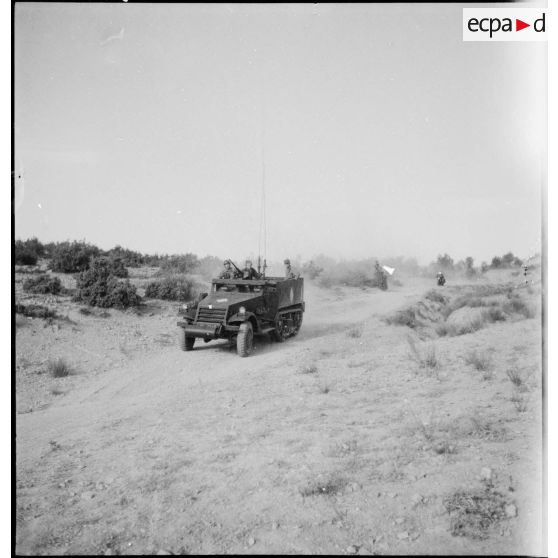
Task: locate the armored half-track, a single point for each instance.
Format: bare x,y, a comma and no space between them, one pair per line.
239,309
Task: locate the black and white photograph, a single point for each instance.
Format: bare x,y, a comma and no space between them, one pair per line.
279,278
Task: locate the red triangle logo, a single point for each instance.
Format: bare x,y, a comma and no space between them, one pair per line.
519,25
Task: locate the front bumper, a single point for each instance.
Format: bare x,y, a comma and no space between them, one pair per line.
206,330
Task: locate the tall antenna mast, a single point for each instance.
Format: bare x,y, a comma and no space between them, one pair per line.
263,216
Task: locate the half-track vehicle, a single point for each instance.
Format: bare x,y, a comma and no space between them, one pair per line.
239,309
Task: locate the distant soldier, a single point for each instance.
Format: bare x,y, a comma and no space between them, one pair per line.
249,272
440,279
288,270
228,272
381,277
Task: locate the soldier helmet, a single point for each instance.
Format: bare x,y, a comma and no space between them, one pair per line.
227,262
287,262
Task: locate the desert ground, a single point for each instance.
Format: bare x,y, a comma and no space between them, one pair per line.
358,436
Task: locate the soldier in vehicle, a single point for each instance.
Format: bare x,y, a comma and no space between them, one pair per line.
249,272
288,270
228,272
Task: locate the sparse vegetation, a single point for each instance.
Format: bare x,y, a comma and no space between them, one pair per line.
480,360
427,360
43,284
332,485
405,317
59,368
474,512
515,377
355,332
35,311
309,369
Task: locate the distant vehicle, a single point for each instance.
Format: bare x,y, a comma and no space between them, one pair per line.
238,309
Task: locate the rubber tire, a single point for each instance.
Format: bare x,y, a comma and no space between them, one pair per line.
245,340
184,342
277,335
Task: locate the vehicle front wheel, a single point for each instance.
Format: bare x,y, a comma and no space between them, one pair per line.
185,342
245,340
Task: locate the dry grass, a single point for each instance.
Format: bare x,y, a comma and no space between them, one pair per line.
308,369
474,512
515,377
480,360
59,368
355,332
406,317
426,359
332,485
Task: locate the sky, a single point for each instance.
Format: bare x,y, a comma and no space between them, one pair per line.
373,130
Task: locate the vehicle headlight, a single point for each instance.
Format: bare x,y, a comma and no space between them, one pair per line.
242,310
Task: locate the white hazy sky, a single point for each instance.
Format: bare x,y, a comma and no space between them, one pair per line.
382,132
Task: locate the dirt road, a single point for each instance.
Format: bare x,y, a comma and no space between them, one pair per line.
311,446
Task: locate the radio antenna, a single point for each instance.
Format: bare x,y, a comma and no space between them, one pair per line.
263,216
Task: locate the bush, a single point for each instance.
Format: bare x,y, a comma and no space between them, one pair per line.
43,284
27,252
128,258
35,311
406,317
117,268
59,368
481,361
171,288
436,296
72,257
99,287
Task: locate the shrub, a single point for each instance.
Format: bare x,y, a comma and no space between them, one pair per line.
117,268
428,360
99,287
515,305
406,317
474,512
59,368
436,296
72,257
27,252
515,377
171,288
495,315
42,284
128,258
35,311
481,361
355,332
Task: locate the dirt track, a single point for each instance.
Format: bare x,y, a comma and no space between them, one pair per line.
149,448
